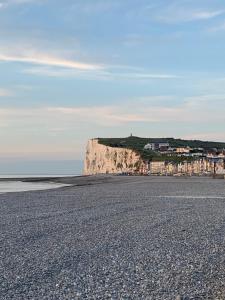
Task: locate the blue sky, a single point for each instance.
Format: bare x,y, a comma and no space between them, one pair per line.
73,70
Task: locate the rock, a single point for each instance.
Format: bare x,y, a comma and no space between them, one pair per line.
105,159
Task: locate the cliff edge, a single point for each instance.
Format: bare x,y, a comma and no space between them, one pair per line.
105,159
128,155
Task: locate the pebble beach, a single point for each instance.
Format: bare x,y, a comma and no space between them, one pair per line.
114,237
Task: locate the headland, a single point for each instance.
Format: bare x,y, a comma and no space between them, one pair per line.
151,156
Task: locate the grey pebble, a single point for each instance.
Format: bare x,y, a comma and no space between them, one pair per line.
158,238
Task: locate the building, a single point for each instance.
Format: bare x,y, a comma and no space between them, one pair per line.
183,150
157,146
157,168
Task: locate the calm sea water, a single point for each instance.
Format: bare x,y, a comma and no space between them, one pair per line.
35,175
19,186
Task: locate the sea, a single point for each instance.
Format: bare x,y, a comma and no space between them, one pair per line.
9,185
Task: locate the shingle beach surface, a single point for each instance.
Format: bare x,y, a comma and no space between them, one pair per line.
115,238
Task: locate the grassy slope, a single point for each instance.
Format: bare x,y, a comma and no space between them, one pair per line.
137,144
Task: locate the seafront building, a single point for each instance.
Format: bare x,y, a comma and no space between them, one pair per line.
202,166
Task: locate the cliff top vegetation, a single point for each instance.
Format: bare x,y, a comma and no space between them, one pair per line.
137,144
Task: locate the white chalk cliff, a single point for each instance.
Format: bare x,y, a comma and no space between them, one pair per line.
101,159
104,159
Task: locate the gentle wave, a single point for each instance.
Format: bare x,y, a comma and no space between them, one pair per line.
19,186
35,175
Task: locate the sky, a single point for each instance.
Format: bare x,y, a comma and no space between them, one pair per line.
77,69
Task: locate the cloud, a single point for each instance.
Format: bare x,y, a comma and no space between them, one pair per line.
91,74
6,3
52,116
5,93
188,16
179,12
105,115
55,63
92,7
56,130
204,15
149,76
188,111
212,100
220,27
108,73
207,136
47,59
72,117
42,60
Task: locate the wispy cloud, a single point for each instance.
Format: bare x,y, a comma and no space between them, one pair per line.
104,115
31,123
207,136
92,7
89,74
217,28
108,73
6,3
149,76
47,59
188,110
188,16
181,12
205,15
55,63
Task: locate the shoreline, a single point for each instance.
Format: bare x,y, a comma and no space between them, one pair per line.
76,179
71,181
38,178
33,183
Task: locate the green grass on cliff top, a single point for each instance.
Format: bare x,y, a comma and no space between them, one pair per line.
137,144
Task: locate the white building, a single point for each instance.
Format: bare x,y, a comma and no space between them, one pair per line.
156,146
183,150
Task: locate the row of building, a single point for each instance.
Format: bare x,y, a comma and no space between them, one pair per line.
166,149
199,167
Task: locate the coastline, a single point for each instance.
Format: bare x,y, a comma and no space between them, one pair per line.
25,184
98,178
73,180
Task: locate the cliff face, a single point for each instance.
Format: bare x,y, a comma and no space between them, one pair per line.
104,159
101,159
